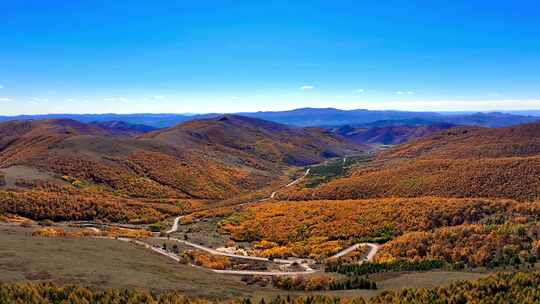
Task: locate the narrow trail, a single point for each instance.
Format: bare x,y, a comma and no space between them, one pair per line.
175,225
265,273
304,263
373,248
294,182
230,255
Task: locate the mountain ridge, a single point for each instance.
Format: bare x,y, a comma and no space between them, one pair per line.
464,162
307,117
155,173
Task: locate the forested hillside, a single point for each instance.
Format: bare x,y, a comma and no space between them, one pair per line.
392,134
128,178
459,162
321,228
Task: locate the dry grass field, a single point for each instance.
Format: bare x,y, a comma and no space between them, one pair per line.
105,263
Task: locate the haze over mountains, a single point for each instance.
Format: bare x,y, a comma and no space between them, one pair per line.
270,152
232,179
389,133
307,117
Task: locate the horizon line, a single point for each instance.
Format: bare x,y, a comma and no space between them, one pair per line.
277,111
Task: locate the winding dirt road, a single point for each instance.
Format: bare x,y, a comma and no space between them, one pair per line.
304,263
175,225
294,182
373,248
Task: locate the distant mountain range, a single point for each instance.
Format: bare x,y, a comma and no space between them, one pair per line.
388,134
335,117
123,128
308,117
151,120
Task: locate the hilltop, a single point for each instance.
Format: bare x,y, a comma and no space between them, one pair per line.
391,134
474,142
255,138
161,171
458,162
124,128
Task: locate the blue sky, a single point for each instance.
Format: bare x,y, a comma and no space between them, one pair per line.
228,56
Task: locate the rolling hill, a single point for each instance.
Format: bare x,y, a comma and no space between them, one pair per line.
458,162
124,128
389,134
469,142
250,138
143,177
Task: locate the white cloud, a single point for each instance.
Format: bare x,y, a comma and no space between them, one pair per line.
159,97
405,93
453,104
235,98
360,91
70,100
115,99
307,88
36,100
4,99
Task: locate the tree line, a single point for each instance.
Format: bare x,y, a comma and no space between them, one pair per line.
517,287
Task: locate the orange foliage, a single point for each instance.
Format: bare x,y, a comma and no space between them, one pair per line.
110,174
284,222
514,178
96,174
190,175
312,227
473,142
14,219
125,232
60,232
108,232
58,206
317,248
61,203
474,245
208,213
207,260
459,162
354,256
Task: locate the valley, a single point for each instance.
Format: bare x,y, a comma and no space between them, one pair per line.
269,152
229,198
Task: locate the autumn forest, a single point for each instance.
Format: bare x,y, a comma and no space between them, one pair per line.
288,209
